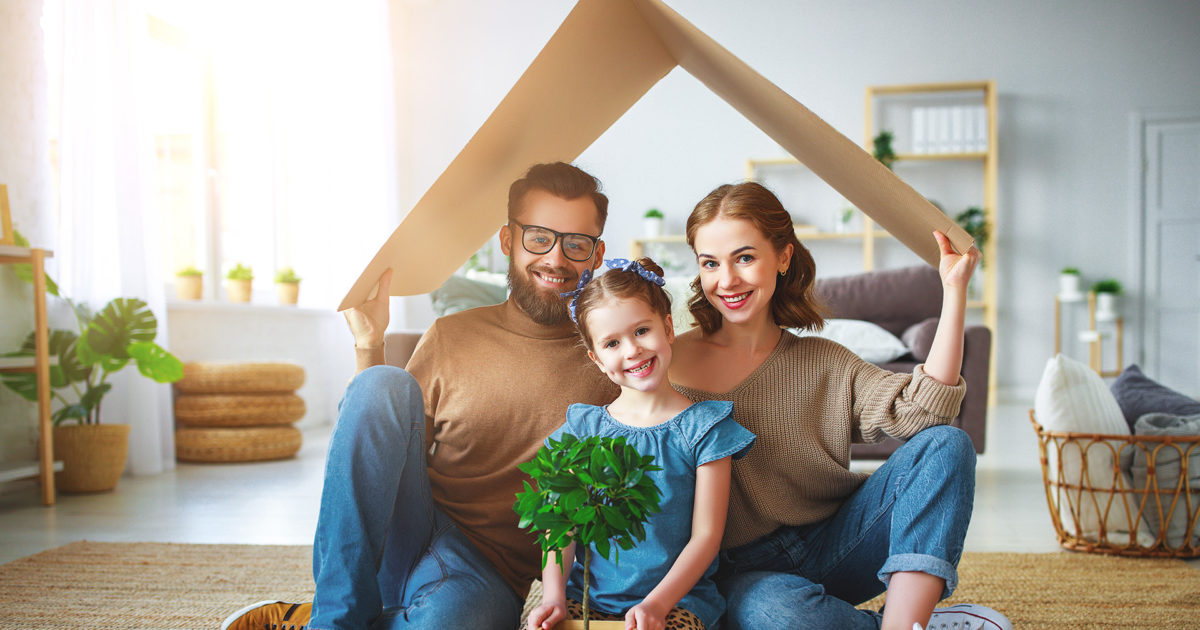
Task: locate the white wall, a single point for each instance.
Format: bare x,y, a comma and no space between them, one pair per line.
1069,74
25,168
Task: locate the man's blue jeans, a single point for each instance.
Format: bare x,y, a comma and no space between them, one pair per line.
910,515
385,556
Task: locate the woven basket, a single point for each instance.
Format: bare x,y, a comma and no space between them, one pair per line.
254,444
1068,501
93,456
240,378
238,410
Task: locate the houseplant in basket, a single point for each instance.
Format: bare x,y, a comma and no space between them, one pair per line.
189,283
240,282
93,454
287,286
592,492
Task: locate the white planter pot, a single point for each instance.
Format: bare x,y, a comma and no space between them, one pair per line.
1068,287
1106,307
652,227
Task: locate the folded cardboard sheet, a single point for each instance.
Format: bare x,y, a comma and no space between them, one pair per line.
602,59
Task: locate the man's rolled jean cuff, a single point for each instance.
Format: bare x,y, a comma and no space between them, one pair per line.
922,563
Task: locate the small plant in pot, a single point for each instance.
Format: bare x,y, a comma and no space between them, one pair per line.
883,149
652,223
189,283
240,282
1106,291
123,332
287,286
1068,284
593,492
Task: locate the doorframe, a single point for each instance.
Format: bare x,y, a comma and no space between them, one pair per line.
1138,167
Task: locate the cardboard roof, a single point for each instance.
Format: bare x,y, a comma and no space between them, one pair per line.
604,57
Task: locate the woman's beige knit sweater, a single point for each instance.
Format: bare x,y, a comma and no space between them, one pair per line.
807,403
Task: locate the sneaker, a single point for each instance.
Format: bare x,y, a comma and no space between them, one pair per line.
967,617
269,615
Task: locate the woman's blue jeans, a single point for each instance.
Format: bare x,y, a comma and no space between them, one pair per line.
385,556
911,514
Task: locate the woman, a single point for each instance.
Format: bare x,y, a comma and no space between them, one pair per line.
807,539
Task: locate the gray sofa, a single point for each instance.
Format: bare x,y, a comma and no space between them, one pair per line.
906,302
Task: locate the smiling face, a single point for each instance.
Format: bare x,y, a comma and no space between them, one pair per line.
630,343
738,268
537,280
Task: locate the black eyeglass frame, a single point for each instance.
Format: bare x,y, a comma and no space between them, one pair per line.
558,240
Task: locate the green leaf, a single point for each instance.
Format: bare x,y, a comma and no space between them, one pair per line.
70,412
614,517
154,362
120,323
602,547
585,514
24,271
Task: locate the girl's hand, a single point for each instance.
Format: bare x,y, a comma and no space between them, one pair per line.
646,616
955,269
547,615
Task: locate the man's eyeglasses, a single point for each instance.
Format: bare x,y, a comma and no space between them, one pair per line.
540,240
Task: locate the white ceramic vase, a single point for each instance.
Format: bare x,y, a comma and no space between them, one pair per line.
652,227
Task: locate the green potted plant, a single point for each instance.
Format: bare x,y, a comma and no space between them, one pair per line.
240,281
1106,291
844,217
592,492
1068,284
123,332
883,149
189,283
287,286
652,223
974,222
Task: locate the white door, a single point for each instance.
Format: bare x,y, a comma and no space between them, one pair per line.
1171,251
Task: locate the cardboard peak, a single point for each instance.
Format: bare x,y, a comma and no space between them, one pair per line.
603,58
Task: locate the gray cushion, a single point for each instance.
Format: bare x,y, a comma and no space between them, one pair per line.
459,294
919,338
1138,395
1167,459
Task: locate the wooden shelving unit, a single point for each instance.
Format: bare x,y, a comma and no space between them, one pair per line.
39,365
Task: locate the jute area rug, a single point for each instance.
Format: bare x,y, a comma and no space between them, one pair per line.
156,586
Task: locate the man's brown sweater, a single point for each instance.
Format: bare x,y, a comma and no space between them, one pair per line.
496,384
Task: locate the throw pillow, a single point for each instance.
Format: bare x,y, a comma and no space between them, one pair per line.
919,337
459,294
1072,398
1139,395
1162,506
867,340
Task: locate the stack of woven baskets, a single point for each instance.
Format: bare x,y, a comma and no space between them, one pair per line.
238,412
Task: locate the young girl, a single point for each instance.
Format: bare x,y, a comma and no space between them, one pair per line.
665,581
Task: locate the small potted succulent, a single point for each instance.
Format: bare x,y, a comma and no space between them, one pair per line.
1068,284
1106,291
189,283
287,286
593,492
240,280
652,223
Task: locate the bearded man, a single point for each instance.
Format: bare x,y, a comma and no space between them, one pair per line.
416,527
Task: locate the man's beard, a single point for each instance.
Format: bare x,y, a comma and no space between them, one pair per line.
544,307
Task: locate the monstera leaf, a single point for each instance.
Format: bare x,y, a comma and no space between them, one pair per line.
68,371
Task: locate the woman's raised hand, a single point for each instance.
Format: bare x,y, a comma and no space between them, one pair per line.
955,268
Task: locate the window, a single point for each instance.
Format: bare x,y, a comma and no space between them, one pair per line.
271,151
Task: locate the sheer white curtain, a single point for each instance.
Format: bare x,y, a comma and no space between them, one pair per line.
107,231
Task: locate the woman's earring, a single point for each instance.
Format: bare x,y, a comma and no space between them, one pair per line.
782,272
